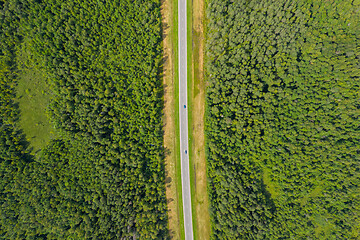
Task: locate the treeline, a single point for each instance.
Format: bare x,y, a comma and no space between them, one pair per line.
282,119
104,177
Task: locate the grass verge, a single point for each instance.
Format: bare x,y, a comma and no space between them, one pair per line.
171,120
196,98
190,106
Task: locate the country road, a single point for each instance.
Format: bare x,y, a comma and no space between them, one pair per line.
183,111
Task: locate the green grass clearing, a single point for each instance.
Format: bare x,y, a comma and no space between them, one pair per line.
33,98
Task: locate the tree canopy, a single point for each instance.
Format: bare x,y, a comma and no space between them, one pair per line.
103,177
282,119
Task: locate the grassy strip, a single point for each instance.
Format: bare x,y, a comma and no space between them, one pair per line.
197,124
175,44
196,89
205,23
172,166
190,117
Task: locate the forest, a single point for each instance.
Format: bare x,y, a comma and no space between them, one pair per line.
282,118
102,177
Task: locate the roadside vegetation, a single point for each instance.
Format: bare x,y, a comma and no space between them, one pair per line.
282,119
196,93
171,120
102,175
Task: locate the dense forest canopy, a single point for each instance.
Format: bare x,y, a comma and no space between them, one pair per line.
282,118
103,177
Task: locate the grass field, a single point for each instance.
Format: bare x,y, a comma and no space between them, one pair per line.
33,98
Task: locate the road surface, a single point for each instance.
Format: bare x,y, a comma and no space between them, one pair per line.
183,111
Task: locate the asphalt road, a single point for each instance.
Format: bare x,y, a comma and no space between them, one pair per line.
183,111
